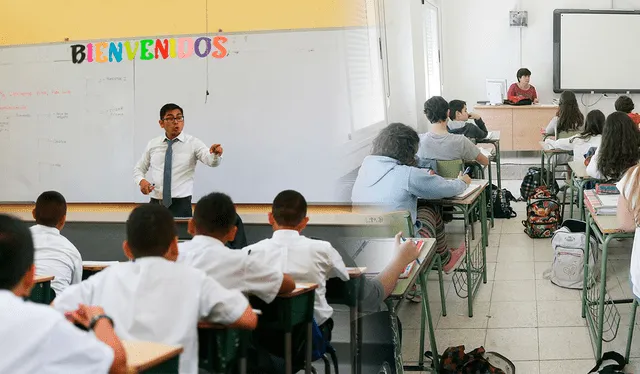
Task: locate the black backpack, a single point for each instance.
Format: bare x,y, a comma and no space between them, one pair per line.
502,203
531,181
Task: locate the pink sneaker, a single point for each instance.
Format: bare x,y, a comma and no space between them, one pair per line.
457,255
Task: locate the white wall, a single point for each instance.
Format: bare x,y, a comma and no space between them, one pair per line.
478,43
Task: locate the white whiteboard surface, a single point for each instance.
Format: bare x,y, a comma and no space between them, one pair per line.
597,52
272,104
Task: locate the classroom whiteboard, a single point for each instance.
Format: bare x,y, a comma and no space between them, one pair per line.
594,51
80,128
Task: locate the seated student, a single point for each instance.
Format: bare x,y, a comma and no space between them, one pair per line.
36,338
307,260
55,254
625,104
459,121
439,144
620,148
580,144
155,299
629,220
213,225
568,118
390,180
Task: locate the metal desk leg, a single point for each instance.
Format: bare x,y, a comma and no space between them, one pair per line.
498,165
485,236
601,298
573,185
288,363
397,344
467,260
490,195
426,312
308,347
542,176
586,267
438,260
581,200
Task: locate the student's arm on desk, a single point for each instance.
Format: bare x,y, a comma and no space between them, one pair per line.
405,254
76,294
472,153
552,126
104,332
426,186
226,307
288,284
592,168
336,265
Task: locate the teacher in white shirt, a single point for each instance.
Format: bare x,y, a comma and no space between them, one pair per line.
169,163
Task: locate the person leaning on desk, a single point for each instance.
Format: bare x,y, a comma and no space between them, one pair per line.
375,324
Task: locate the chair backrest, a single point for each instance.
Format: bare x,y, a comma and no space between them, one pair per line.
450,168
567,134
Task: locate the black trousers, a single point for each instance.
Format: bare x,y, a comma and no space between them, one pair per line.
181,208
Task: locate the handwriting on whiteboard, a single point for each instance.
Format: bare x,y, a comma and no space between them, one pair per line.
24,94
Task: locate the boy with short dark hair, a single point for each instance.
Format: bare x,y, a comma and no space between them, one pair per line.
307,260
625,104
155,299
55,255
459,121
213,225
34,336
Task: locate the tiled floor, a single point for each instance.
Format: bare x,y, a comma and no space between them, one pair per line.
518,313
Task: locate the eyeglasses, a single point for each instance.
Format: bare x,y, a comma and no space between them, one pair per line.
171,119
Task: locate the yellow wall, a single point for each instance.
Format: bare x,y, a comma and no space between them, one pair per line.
50,21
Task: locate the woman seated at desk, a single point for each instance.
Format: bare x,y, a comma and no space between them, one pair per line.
389,179
523,88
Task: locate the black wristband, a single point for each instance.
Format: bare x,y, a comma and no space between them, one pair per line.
97,318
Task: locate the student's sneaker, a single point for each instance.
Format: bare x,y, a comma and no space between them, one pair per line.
457,255
414,294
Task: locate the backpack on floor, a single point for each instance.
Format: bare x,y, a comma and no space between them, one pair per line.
502,203
610,363
531,181
543,214
568,243
455,361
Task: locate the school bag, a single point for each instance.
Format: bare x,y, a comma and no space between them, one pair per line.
531,181
543,214
502,203
610,363
455,361
568,243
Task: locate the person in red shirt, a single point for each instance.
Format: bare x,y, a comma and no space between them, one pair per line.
523,89
625,104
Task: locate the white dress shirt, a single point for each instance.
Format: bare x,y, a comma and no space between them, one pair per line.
37,339
56,255
157,300
187,150
233,269
306,260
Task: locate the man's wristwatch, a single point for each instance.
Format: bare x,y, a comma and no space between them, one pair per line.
97,318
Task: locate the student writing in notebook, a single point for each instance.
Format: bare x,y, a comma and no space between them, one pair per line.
213,225
390,180
307,260
580,144
153,298
36,338
619,149
55,255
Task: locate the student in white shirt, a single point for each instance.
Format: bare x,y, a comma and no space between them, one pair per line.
55,254
213,226
307,260
155,299
619,149
629,219
34,337
580,144
568,118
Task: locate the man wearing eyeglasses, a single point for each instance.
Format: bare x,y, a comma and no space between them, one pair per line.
169,161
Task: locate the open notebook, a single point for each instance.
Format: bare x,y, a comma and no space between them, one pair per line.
378,253
470,189
493,135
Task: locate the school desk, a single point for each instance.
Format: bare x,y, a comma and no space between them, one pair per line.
148,357
427,260
495,141
579,178
349,293
598,308
284,313
519,125
221,346
41,292
90,268
549,154
473,268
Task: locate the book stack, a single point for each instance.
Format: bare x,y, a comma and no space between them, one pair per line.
601,204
